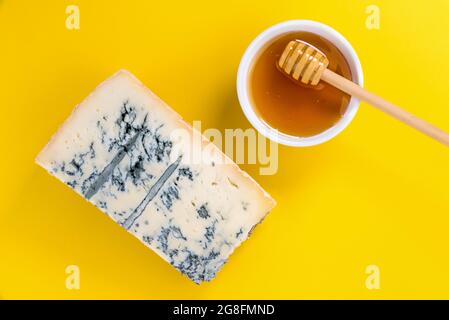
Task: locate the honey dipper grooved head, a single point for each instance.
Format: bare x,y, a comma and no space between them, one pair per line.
303,62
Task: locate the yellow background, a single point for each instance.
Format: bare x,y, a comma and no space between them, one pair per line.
376,194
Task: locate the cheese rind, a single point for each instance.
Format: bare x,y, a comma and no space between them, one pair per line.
117,150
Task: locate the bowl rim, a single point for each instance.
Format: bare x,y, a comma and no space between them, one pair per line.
264,39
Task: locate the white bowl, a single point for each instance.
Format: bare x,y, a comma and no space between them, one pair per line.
254,50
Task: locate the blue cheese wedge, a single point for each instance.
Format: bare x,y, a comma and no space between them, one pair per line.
119,151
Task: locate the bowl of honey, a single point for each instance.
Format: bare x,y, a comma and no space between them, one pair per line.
285,111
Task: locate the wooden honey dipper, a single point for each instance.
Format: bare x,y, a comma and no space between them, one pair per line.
303,62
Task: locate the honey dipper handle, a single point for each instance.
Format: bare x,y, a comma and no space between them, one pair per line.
385,106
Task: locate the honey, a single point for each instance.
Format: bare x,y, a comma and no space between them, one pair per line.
292,108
